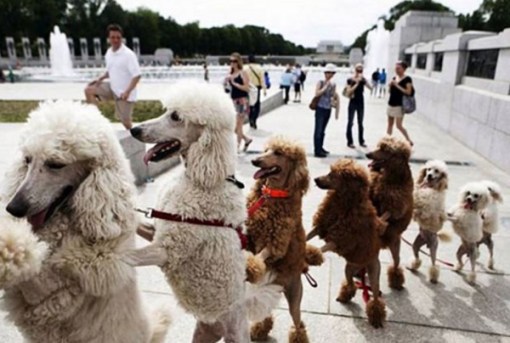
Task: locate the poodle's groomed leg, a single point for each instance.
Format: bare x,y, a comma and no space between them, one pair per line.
150,255
294,293
487,239
473,251
235,324
348,289
260,331
461,251
395,273
329,246
312,234
207,333
375,309
432,244
417,244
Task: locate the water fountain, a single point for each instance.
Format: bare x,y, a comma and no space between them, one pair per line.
60,56
377,48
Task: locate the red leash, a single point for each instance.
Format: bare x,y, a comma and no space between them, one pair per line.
152,213
425,253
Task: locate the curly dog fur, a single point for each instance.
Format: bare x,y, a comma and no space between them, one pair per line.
204,265
275,231
490,217
72,183
347,221
429,212
391,192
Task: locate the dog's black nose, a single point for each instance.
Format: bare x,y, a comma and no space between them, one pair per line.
256,163
17,209
369,155
136,131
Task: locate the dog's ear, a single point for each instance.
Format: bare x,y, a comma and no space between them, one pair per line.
421,176
496,195
299,178
212,158
12,179
443,182
103,203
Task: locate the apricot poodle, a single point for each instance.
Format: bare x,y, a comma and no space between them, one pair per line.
347,221
275,230
391,192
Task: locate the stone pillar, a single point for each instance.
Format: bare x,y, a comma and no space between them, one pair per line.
41,48
11,48
70,43
97,49
84,49
136,46
419,26
27,51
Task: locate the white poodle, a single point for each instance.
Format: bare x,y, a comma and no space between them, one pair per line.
203,262
429,212
490,217
467,222
61,268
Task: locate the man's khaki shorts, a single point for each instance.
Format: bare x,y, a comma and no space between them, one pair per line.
123,108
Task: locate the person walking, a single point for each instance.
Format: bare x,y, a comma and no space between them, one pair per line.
375,82
2,75
382,83
356,85
325,90
123,71
240,86
400,85
286,81
256,75
297,83
206,73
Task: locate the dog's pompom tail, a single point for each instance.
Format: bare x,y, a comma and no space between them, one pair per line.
160,321
21,253
255,268
434,274
262,298
444,236
313,256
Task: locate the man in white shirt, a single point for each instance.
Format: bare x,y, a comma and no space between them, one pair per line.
123,70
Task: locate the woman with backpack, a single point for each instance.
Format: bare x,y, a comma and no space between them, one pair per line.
400,85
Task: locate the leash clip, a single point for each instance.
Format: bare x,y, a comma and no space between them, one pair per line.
147,212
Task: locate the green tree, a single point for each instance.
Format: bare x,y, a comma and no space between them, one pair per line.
498,12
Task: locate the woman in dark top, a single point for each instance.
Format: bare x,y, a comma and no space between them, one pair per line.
240,86
356,105
401,84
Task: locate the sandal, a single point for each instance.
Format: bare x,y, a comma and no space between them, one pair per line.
247,144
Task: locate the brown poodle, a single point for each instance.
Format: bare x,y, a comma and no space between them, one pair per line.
391,192
348,222
275,230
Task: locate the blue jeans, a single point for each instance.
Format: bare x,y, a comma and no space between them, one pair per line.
321,121
354,107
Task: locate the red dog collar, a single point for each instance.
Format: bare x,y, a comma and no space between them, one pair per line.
266,194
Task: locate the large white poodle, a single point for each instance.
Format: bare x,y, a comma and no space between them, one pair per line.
429,212
198,245
490,217
61,266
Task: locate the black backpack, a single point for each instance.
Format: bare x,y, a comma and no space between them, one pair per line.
302,77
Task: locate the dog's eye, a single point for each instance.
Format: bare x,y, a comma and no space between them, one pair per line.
54,165
278,152
28,159
475,195
175,117
468,193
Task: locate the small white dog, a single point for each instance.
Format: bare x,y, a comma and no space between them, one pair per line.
490,217
203,262
429,212
467,222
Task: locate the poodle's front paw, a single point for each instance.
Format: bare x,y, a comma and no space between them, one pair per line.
21,254
471,278
415,265
490,265
459,267
259,332
298,335
396,278
433,274
376,312
255,268
347,292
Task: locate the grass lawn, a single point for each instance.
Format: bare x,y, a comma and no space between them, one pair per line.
16,111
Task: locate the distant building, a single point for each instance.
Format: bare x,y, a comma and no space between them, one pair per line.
330,47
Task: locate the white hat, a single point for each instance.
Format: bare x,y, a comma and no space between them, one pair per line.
330,68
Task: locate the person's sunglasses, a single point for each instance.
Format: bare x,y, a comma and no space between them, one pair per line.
233,61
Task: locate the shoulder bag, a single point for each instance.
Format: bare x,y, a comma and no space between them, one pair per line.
315,100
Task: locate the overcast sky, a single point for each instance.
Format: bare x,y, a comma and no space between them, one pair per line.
301,21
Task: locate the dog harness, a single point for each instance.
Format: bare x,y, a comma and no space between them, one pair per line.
152,213
266,194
